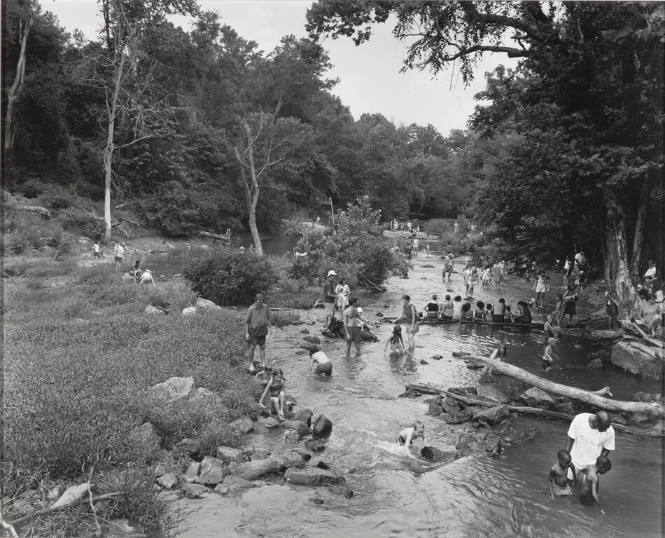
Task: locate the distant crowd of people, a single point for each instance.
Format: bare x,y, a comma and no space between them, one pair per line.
135,273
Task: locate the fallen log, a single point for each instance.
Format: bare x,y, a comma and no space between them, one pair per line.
31,208
103,497
634,328
606,334
218,237
424,389
653,409
254,469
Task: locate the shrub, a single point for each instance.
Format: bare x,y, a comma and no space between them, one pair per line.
31,190
85,225
60,202
14,243
230,277
293,285
172,212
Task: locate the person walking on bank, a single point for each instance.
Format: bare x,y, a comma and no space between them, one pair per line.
118,254
352,325
330,295
257,322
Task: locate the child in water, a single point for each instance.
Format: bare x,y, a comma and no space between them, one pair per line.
559,481
408,435
395,341
548,354
592,481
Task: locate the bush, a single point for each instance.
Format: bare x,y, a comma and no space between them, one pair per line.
230,277
31,190
172,212
14,243
85,225
60,202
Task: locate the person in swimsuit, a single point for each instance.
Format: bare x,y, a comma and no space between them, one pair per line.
525,315
498,316
352,325
432,308
467,313
560,481
489,312
275,388
410,319
479,312
457,308
323,364
408,435
447,309
591,481
395,341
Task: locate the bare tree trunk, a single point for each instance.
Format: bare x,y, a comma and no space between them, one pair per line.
16,87
112,109
251,183
640,223
617,266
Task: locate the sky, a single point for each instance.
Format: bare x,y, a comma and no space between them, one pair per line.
369,76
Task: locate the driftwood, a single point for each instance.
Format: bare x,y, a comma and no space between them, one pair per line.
254,469
653,409
132,222
526,410
218,237
373,285
104,497
31,208
634,329
606,334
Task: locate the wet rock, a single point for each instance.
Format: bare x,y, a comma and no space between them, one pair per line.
464,391
291,438
436,357
206,305
452,406
535,397
456,418
641,419
315,445
492,392
633,357
491,416
474,364
423,361
194,491
466,442
342,490
167,480
252,470
312,476
435,407
271,423
228,454
305,415
190,446
434,454
233,485
312,339
321,427
242,425
192,471
151,310
595,364
172,389
71,494
318,462
304,331
189,311
145,436
296,425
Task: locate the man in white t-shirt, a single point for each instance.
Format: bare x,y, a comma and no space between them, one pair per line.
589,436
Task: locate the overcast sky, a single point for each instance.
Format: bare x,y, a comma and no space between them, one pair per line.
369,75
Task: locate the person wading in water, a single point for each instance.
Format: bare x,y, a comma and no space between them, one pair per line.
410,317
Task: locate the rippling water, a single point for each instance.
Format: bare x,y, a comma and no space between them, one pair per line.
399,496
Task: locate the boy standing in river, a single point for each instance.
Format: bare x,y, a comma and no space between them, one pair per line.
559,479
257,323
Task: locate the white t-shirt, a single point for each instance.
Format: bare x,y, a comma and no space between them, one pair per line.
457,309
651,273
320,357
588,442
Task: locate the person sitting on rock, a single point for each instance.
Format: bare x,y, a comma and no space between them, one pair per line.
275,388
446,309
479,312
432,308
410,434
467,313
524,315
457,308
489,312
395,341
560,481
323,364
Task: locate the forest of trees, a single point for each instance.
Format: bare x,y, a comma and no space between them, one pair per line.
186,127
201,129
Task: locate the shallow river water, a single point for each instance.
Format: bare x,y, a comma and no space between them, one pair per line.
397,496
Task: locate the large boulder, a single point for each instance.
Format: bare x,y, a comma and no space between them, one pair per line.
321,427
435,406
167,481
192,472
457,418
491,416
228,454
233,485
595,364
189,311
490,391
315,445
206,305
145,436
296,425
312,476
535,397
211,472
254,469
434,454
151,310
466,442
242,425
194,491
638,359
172,389
190,446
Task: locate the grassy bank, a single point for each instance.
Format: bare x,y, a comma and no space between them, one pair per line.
78,358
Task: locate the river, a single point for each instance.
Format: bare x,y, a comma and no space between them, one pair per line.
472,496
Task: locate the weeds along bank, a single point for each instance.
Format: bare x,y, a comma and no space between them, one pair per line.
78,359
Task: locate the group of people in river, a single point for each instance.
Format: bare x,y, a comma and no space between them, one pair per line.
135,273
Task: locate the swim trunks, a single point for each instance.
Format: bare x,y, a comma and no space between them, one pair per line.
325,368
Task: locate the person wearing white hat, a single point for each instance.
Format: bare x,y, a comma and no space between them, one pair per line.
330,294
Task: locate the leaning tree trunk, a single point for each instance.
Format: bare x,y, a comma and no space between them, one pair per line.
617,266
252,191
640,224
15,90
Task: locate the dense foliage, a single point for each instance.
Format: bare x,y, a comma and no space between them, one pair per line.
186,96
230,277
357,250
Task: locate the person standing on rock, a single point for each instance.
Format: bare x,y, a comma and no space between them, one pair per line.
257,323
589,436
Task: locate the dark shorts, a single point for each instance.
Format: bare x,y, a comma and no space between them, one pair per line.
446,318
354,334
257,339
325,368
569,308
97,254
497,317
118,258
